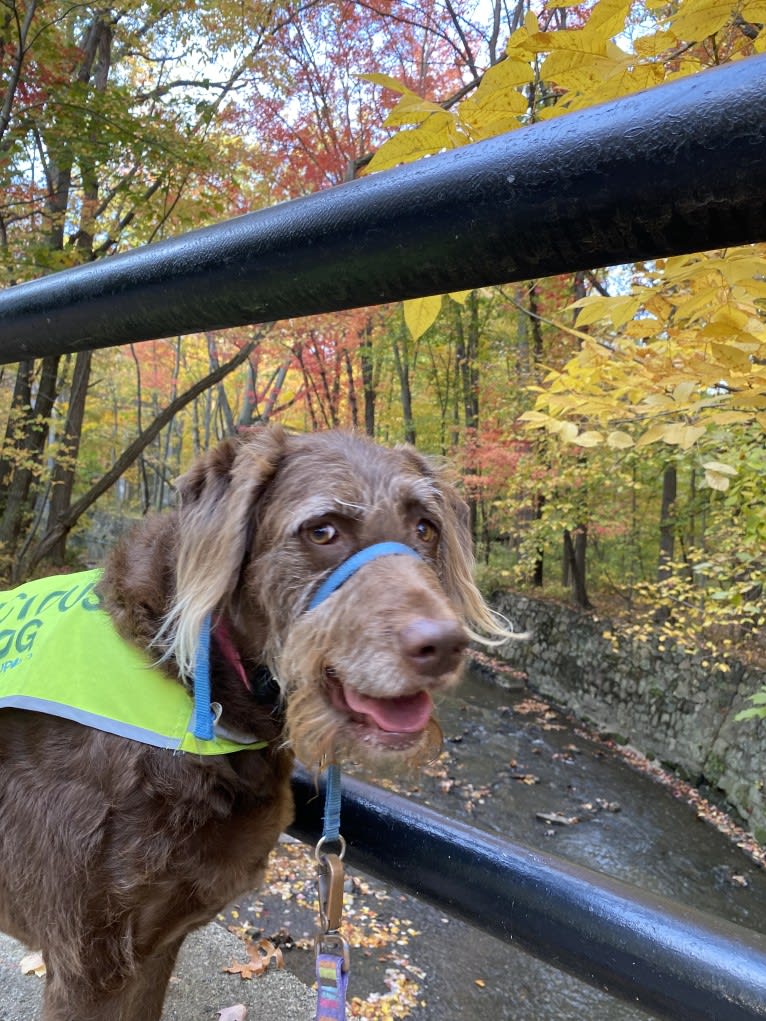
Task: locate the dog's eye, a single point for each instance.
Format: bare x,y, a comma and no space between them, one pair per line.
322,534
427,531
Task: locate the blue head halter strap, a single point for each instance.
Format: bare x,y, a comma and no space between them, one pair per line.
203,718
349,567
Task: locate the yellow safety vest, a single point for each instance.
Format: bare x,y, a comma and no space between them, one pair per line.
60,654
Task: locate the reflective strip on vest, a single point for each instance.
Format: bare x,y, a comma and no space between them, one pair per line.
60,654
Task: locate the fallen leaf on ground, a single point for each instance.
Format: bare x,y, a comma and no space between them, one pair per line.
236,1013
33,964
609,806
559,820
528,778
261,954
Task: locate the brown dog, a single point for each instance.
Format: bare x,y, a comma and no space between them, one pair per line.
113,849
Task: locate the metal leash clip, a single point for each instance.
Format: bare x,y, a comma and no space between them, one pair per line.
330,880
333,945
331,949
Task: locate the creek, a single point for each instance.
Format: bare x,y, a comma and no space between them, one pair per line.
514,766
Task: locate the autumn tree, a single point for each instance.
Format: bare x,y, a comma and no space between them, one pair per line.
110,136
317,123
677,361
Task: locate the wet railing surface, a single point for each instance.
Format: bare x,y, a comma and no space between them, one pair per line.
673,170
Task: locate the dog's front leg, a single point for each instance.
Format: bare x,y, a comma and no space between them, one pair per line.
150,985
140,998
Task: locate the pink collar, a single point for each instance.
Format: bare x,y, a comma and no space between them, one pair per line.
229,650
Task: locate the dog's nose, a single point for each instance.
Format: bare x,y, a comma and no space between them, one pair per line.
433,647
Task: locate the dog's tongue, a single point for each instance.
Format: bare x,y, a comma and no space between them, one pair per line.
406,715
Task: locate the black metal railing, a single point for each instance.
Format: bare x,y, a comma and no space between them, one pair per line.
680,168
678,963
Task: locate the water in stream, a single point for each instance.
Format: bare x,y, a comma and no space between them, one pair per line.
506,762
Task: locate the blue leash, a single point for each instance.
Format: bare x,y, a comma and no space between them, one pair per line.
331,818
202,724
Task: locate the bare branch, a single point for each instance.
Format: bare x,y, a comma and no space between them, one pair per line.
67,521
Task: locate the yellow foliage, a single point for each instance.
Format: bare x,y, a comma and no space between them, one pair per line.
387,82
619,440
697,368
681,435
411,109
617,309
698,19
680,359
718,474
438,131
420,313
590,438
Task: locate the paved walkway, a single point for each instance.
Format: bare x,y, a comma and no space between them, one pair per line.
198,990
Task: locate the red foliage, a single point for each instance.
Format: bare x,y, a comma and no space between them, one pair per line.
316,117
487,458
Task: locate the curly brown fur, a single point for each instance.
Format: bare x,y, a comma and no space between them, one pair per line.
112,851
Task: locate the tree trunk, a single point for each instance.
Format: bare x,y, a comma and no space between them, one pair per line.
368,378
538,569
667,535
401,360
352,401
575,555
223,401
667,523
537,358
20,409
29,451
471,368
275,389
537,330
466,372
62,482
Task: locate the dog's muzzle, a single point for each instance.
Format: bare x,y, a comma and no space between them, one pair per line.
203,719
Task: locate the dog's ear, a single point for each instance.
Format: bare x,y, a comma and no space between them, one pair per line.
457,564
218,497
211,469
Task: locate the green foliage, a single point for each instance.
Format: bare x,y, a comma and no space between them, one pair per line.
758,708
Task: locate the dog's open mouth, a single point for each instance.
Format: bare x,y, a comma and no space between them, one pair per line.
389,721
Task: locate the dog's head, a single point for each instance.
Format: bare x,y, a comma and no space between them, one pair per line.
266,519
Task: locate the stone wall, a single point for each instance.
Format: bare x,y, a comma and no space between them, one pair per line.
664,703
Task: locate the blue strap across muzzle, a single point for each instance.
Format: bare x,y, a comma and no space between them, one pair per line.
349,567
202,720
